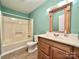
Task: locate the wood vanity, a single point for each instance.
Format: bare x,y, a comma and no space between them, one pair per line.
50,49
55,48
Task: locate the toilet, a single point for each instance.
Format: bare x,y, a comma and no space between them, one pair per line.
32,45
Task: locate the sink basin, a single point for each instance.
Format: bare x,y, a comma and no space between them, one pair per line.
57,35
70,39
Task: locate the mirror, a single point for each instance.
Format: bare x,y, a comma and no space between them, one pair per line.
60,18
58,21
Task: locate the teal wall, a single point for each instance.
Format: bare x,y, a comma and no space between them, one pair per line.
0,32
0,5
75,17
11,11
14,12
41,18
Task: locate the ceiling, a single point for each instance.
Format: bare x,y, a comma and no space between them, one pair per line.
25,6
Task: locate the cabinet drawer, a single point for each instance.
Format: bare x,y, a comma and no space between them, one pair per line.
43,46
62,46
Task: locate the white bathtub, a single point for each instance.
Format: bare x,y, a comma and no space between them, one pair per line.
13,46
15,34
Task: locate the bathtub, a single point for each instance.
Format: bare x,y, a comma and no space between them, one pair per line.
10,47
15,34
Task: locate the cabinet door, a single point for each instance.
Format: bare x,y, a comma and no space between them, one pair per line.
43,46
56,53
76,51
75,57
41,55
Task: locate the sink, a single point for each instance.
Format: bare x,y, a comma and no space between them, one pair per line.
57,35
71,39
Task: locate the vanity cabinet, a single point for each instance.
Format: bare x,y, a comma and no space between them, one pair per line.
49,49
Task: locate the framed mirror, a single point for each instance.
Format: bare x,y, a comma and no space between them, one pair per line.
60,19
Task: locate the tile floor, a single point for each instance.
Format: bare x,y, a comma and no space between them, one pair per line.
21,54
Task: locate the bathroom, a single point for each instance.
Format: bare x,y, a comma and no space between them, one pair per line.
39,29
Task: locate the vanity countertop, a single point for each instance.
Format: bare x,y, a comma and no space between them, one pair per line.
72,42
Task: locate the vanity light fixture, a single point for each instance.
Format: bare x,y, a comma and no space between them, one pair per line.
13,19
30,1
65,2
49,9
68,1
61,3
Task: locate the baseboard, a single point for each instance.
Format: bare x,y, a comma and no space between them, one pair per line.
8,52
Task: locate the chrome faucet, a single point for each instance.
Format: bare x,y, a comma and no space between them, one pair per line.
65,34
56,35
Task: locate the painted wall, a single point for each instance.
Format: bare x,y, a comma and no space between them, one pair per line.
0,5
75,17
0,33
11,11
41,19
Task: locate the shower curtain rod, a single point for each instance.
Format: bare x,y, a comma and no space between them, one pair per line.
15,15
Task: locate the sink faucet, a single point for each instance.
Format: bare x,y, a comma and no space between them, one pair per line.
56,35
65,34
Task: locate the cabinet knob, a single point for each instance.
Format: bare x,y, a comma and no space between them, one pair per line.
74,55
67,55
